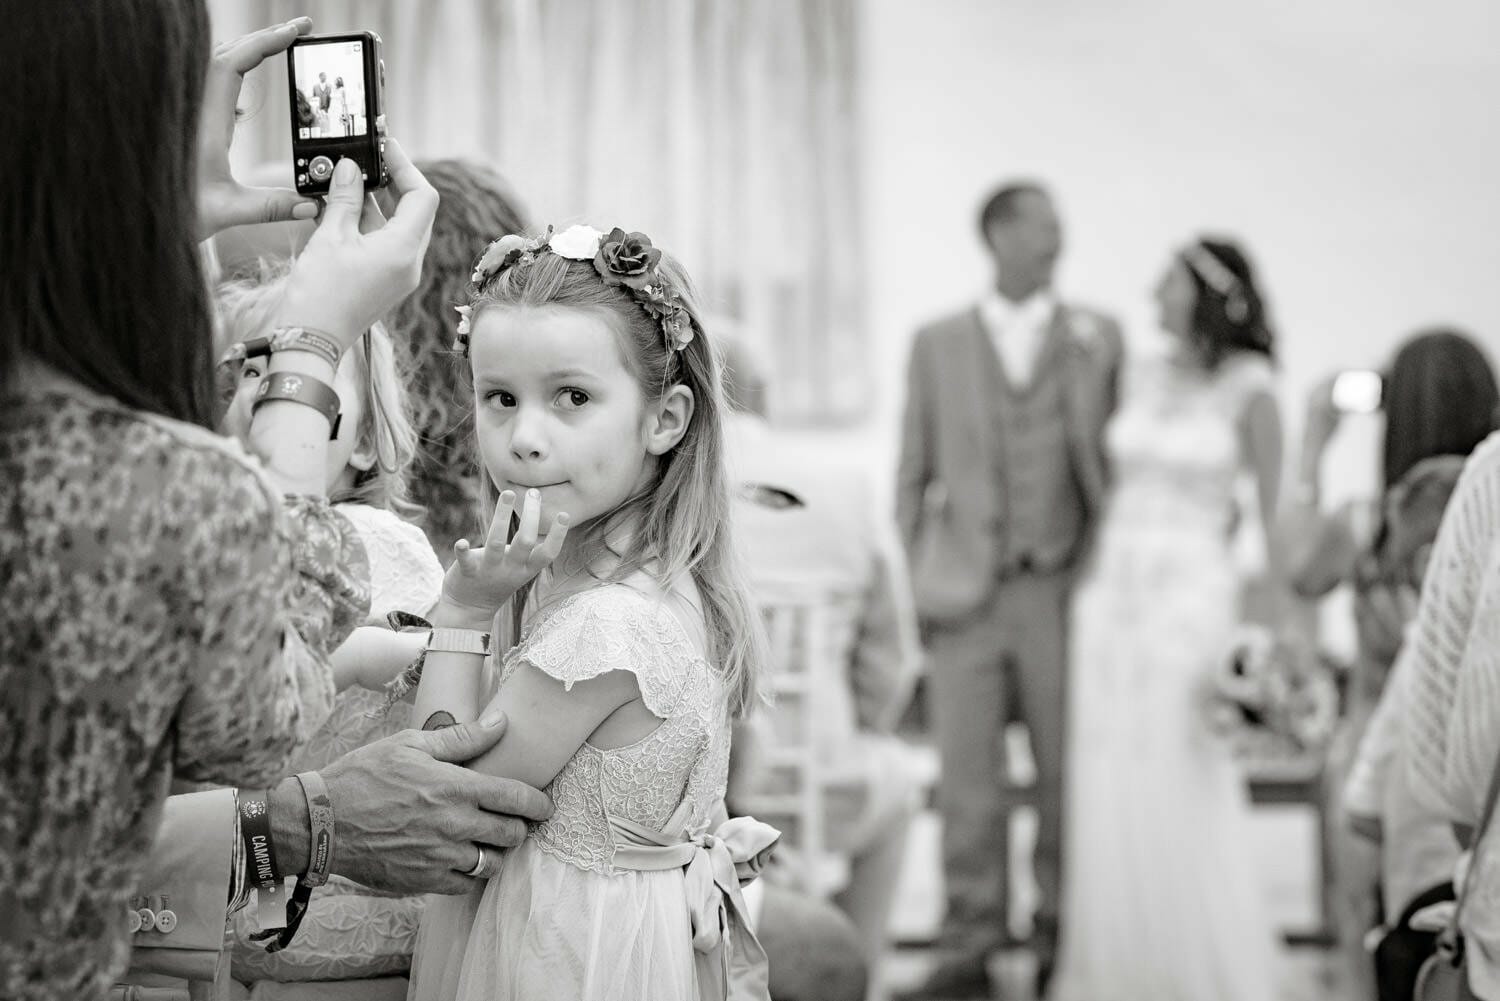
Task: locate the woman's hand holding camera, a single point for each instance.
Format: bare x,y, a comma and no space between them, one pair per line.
222,201
358,265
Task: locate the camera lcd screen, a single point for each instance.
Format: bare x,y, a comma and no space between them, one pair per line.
330,85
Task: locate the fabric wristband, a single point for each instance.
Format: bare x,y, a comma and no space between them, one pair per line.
284,339
255,828
319,857
303,389
306,339
320,813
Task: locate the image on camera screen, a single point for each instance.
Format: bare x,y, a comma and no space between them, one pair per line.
330,79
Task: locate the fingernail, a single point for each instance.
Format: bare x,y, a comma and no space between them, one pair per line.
347,172
461,546
563,519
492,719
533,494
305,210
508,496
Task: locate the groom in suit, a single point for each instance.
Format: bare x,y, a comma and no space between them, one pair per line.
1000,483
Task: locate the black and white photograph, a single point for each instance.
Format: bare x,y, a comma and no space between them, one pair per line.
750,500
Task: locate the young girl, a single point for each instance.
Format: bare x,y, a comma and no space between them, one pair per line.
368,464
598,401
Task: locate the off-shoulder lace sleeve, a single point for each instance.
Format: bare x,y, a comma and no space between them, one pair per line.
615,628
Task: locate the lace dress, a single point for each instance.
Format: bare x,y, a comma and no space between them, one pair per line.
562,920
1161,899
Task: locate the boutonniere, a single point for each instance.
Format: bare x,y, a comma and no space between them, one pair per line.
1085,330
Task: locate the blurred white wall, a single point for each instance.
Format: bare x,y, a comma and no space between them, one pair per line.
1352,144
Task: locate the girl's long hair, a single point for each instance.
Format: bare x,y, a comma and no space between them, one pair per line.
683,519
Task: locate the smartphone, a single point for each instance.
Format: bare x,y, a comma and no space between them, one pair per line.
1358,392
336,87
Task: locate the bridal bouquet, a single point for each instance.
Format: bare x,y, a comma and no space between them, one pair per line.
1274,697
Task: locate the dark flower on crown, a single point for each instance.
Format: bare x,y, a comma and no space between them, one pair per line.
626,260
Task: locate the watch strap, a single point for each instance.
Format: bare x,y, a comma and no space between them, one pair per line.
448,640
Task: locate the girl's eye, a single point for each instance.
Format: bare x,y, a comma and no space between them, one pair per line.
572,399
250,372
501,397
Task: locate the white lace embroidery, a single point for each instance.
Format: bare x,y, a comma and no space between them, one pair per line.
615,628
405,573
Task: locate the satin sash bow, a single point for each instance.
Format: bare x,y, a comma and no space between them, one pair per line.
730,961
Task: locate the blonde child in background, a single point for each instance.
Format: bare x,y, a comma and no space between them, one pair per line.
598,401
349,931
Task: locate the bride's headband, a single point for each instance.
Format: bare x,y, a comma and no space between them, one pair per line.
1217,276
627,260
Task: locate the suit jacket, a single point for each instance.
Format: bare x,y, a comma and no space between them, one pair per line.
948,507
190,872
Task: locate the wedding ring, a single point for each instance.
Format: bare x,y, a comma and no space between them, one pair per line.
478,866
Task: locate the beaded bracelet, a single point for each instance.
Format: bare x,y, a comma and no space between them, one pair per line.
285,339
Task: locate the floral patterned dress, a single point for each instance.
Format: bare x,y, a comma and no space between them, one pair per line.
352,931
162,614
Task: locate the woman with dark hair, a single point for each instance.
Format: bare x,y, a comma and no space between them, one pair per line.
1439,399
1162,899
163,611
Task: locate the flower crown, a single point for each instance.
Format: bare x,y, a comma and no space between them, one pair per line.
624,259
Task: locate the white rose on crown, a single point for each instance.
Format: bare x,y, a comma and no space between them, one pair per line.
577,243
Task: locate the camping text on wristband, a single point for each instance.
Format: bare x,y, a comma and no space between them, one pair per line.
304,389
260,850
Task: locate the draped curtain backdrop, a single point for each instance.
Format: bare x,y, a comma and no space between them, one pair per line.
724,129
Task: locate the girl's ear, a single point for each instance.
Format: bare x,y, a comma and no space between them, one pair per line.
365,454
668,420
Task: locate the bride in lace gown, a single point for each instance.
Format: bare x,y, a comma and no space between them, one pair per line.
1162,899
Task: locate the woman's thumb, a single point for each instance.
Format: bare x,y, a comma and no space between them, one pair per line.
466,741
346,195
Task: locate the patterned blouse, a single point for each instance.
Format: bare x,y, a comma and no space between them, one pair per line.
162,614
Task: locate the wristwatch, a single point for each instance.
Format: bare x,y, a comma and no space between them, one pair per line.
449,640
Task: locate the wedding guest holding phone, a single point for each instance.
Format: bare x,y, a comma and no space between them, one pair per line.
1438,398
166,605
